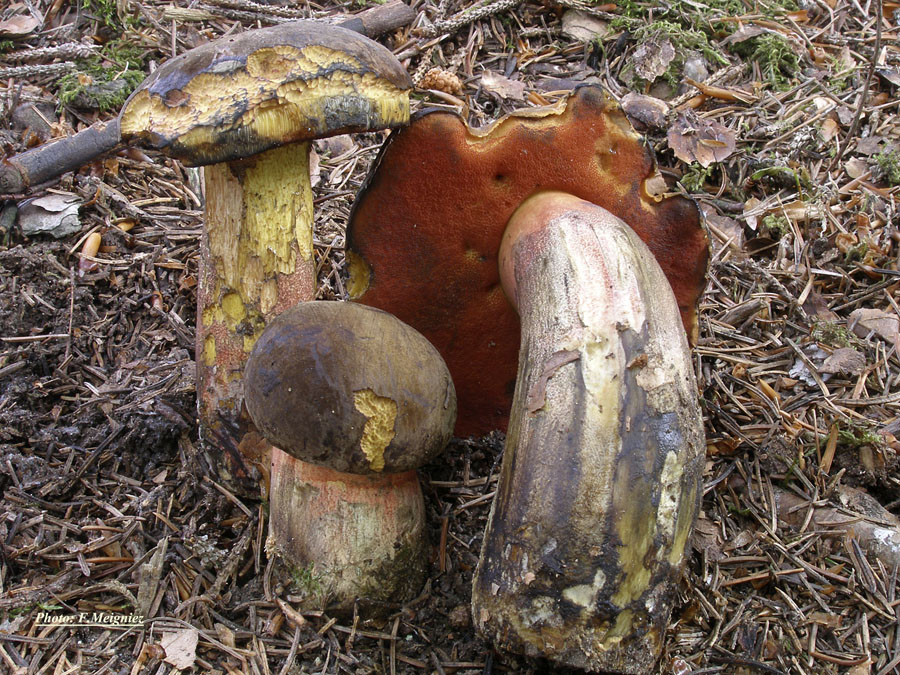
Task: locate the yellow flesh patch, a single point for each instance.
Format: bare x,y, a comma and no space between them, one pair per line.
256,233
381,415
281,93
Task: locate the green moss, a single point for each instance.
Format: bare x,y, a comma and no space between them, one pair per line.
105,81
778,62
776,226
695,177
106,13
888,161
840,78
857,434
834,335
306,582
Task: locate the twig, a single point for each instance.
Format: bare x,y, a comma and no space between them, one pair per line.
851,134
464,18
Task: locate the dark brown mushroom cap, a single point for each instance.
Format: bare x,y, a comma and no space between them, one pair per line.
351,388
425,231
237,96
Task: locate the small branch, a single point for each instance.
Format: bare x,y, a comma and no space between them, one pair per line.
68,50
464,18
851,134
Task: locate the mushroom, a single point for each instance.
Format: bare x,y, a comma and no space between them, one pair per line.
354,401
600,480
246,106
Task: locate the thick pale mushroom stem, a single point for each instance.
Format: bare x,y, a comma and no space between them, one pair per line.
348,537
600,481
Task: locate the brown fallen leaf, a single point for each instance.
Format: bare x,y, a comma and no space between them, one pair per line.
503,86
884,324
645,112
582,26
694,139
829,129
18,26
181,648
856,167
844,361
870,145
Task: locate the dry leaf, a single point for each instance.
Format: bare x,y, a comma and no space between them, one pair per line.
892,75
18,26
181,648
844,361
855,167
829,129
743,34
707,538
652,58
884,324
582,26
693,139
817,307
53,214
503,86
869,146
645,111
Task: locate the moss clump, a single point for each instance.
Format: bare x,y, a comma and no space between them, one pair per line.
695,177
104,82
778,62
683,37
888,163
305,581
776,226
106,13
856,435
834,335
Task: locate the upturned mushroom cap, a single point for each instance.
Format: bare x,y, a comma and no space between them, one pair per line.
238,96
426,229
350,388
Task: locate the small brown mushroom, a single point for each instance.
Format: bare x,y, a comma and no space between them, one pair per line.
353,401
600,480
246,106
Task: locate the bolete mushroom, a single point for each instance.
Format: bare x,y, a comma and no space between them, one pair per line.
357,401
600,480
246,106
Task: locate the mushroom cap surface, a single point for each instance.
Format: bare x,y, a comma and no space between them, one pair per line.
243,94
351,388
425,231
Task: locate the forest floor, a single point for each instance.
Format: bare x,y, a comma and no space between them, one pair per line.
779,119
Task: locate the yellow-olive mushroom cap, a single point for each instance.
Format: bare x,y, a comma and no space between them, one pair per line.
351,388
240,95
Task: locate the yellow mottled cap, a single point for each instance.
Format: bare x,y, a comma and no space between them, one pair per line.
241,95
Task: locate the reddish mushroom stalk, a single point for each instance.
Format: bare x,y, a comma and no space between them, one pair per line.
606,429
